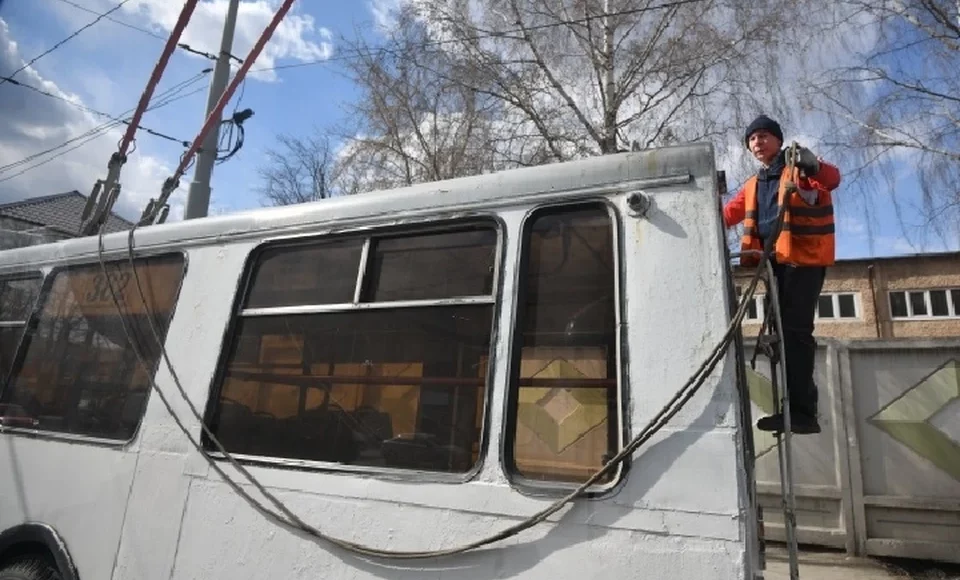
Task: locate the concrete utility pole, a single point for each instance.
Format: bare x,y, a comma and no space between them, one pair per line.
198,198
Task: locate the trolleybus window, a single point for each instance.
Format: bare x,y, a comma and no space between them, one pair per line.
77,372
17,298
564,401
366,351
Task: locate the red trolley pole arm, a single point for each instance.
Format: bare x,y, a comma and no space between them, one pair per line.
161,65
106,192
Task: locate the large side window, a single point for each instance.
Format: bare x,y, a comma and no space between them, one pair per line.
77,371
368,351
564,397
18,295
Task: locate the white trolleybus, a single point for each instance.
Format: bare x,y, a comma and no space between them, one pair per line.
475,379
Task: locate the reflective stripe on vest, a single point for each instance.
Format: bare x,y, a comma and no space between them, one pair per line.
807,237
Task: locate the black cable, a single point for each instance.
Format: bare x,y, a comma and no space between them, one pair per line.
185,47
100,131
67,39
190,49
95,112
234,122
114,20
290,520
166,97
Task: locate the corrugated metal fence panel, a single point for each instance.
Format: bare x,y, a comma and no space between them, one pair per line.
817,461
906,401
883,478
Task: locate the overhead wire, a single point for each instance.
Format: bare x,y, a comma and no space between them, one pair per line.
166,97
114,20
182,46
84,138
67,39
93,111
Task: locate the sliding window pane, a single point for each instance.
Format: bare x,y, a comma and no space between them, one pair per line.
321,273
398,388
80,372
433,266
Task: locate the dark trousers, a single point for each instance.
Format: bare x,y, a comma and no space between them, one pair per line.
798,290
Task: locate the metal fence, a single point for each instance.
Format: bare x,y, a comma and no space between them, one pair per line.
883,478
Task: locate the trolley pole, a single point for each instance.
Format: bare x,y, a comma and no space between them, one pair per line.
198,197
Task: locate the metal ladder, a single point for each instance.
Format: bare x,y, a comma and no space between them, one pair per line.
770,344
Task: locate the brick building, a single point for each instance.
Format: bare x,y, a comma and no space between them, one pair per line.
915,296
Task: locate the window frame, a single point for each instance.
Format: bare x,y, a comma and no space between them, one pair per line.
835,299
49,278
517,481
927,303
433,224
38,274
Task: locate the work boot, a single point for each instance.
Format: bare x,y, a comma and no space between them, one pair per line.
799,424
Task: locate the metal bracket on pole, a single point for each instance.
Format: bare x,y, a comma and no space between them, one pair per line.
158,209
102,197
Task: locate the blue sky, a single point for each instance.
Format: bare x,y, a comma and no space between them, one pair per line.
106,67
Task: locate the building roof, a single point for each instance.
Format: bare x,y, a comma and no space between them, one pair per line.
60,212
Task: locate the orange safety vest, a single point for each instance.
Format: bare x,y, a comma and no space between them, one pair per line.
808,234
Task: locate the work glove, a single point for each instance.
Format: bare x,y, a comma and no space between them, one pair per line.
807,162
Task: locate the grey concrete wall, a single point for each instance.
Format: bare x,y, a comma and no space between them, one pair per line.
18,234
883,478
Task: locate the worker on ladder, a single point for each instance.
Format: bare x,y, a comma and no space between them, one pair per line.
803,250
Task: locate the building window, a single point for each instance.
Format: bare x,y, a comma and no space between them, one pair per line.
564,398
754,307
927,304
18,296
77,371
838,306
366,351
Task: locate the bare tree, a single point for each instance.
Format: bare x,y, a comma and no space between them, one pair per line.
898,110
412,123
598,76
298,170
462,87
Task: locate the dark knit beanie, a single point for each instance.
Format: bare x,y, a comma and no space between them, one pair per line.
766,123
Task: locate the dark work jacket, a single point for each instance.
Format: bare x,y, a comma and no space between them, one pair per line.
768,182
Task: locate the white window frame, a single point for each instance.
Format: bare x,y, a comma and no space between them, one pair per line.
952,306
835,299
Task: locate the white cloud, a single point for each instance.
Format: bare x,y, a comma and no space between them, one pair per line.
385,12
31,124
297,37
